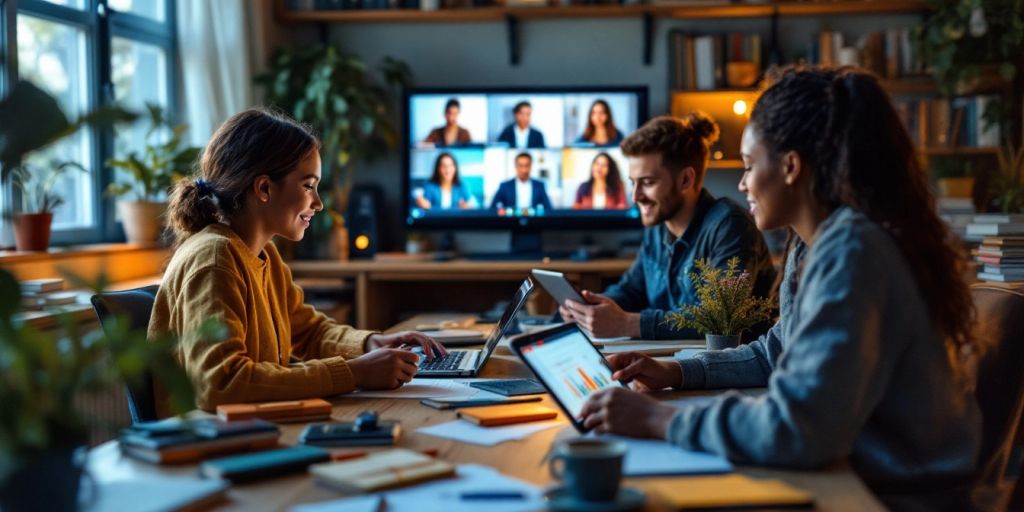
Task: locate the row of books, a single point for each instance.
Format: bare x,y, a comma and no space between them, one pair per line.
700,62
1000,256
888,54
945,123
40,293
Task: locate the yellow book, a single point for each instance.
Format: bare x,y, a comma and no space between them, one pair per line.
507,414
721,491
382,470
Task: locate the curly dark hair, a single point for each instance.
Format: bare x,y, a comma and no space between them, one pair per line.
682,143
613,132
614,179
843,125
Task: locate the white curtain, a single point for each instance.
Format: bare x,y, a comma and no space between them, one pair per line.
221,44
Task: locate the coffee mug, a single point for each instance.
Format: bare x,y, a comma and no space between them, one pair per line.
590,469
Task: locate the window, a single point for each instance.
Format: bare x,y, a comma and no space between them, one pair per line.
85,52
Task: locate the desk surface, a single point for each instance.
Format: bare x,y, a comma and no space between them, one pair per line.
835,489
328,268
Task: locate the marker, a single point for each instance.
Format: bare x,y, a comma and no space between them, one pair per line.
492,495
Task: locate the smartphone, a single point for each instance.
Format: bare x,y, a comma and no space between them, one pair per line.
558,286
458,404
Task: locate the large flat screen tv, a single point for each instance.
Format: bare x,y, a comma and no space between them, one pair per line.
520,159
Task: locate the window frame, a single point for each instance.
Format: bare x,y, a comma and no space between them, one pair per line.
101,24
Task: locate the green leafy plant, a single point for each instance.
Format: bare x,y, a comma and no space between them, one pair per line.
36,183
350,107
950,167
726,303
160,165
1010,179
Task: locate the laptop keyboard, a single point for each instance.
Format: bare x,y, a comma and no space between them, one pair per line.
448,362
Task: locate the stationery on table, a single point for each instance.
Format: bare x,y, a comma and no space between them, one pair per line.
507,414
382,470
447,389
467,432
173,441
252,466
298,411
367,430
474,488
155,494
650,457
726,491
458,404
510,387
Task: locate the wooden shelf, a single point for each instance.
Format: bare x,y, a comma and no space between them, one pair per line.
967,151
725,11
725,164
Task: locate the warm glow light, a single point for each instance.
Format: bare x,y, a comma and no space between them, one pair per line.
717,155
739,107
362,242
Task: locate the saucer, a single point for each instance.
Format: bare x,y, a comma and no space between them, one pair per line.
559,499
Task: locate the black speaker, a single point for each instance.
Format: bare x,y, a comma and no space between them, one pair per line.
365,207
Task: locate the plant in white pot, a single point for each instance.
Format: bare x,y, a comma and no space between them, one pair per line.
38,201
726,304
160,165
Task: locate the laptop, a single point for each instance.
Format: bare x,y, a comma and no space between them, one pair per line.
468,363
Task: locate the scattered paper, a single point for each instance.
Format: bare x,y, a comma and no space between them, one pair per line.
153,494
467,432
448,389
443,495
649,457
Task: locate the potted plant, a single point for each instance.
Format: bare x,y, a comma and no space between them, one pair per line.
36,183
953,176
351,108
160,165
726,305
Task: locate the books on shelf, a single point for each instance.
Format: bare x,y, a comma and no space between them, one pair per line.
382,470
699,62
944,123
41,285
888,54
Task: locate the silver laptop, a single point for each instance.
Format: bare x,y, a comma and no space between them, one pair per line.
468,363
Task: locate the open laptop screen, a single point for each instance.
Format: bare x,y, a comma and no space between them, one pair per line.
507,317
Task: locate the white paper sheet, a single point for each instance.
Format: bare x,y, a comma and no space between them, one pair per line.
443,495
448,389
467,432
647,457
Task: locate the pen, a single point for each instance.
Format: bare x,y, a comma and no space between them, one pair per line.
492,495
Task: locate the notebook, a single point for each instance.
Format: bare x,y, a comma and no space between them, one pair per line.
382,470
468,363
252,466
507,414
726,491
297,411
174,441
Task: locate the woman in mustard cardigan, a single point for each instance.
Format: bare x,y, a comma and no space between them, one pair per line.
258,178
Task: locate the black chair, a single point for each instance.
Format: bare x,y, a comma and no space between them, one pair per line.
999,391
137,305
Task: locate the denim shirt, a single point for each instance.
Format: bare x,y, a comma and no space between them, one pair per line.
659,279
854,368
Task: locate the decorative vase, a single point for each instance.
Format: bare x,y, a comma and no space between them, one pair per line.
721,342
339,242
49,481
32,231
956,187
142,220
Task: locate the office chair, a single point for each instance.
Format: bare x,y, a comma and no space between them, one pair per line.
137,304
999,391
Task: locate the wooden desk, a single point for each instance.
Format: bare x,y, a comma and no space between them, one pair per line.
385,290
836,489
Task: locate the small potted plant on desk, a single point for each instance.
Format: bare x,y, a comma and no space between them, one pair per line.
153,172
726,305
36,183
953,176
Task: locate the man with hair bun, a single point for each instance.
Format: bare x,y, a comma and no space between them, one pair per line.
683,222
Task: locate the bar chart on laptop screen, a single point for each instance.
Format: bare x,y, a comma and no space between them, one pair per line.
572,368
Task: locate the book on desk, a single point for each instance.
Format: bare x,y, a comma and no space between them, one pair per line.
175,441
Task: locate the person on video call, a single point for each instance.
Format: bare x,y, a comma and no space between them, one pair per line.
683,222
520,134
451,134
601,130
445,190
604,189
522,192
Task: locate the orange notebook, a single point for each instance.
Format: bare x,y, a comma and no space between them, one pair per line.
314,409
726,491
507,414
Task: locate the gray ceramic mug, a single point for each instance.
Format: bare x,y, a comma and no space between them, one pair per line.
591,469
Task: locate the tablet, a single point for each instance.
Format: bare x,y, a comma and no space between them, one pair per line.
567,364
558,286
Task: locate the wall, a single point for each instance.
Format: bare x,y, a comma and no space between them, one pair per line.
556,53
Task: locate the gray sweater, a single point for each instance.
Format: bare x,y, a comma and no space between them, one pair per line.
854,368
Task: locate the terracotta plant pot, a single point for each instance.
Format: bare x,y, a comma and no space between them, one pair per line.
143,221
956,187
32,231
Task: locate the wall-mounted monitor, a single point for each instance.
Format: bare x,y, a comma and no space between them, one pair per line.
526,158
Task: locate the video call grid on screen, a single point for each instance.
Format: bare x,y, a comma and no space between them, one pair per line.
561,160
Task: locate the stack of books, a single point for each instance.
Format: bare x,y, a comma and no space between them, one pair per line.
175,441
39,293
958,212
1000,256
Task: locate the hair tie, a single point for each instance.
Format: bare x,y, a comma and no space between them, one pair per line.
205,189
